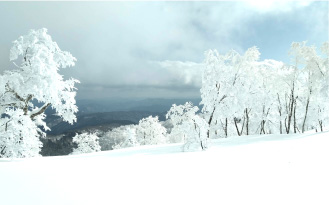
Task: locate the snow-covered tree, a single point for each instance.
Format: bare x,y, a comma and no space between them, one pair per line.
265,100
119,137
191,128
313,81
36,79
301,88
130,139
265,96
225,81
150,131
19,135
86,142
110,139
322,97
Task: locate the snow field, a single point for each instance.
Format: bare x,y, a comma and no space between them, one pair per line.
268,169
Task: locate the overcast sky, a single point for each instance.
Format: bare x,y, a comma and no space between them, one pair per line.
154,49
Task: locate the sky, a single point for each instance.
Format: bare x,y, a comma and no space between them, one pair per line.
156,49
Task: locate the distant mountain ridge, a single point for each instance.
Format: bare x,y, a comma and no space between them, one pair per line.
96,113
151,104
115,119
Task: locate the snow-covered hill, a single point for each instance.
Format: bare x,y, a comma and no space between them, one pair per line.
267,169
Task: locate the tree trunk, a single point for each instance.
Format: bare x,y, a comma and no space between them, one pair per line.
247,117
237,127
209,122
262,127
3,149
306,111
290,108
280,113
320,123
225,127
203,146
212,114
295,124
285,125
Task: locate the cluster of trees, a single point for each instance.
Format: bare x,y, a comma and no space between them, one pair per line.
186,126
148,131
240,96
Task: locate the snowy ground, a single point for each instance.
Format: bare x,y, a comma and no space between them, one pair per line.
278,169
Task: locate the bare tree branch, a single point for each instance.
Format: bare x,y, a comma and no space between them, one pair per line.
42,109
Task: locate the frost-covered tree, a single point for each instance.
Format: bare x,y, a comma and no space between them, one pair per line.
301,89
191,128
322,97
150,131
265,96
119,137
36,79
19,135
284,81
213,87
266,118
225,81
130,139
312,81
110,139
86,142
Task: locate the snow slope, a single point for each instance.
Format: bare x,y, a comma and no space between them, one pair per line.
267,169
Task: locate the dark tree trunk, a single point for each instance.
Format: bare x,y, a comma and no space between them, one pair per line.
280,113
262,127
224,126
306,111
295,124
203,146
237,127
320,123
209,122
247,122
285,125
212,114
247,117
290,109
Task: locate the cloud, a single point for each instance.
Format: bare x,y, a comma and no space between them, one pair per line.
276,6
186,73
137,34
158,46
